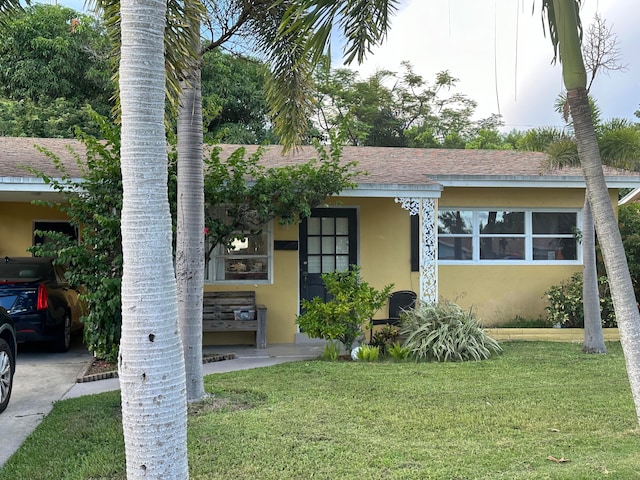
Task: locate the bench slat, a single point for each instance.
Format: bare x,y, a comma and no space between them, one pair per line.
218,314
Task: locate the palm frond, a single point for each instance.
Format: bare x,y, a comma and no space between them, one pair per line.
8,7
181,51
619,145
562,153
549,22
364,24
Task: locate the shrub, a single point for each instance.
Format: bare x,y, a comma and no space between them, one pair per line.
385,337
521,322
398,352
331,351
367,353
565,307
352,303
444,332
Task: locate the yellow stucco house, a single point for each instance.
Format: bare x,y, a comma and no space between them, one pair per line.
489,229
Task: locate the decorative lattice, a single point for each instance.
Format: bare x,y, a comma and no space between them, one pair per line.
426,208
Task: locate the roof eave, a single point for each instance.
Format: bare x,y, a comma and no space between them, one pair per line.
527,181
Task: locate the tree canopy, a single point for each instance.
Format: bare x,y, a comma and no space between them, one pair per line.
53,62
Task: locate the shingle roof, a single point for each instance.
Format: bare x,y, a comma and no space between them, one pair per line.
386,166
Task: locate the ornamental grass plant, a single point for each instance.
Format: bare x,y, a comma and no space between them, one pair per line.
445,333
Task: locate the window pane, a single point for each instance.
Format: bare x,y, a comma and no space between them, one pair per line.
328,245
502,248
455,248
342,263
501,222
455,222
328,226
342,226
313,264
313,245
313,225
249,245
235,269
555,249
554,223
328,264
342,245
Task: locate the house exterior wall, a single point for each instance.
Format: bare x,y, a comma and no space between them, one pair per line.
499,293
16,226
383,254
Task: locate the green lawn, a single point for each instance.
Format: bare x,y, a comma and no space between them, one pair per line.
496,419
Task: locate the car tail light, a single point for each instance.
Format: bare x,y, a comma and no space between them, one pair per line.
43,299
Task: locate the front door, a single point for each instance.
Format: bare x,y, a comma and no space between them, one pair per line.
328,243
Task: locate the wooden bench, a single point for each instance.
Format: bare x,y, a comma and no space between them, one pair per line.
221,309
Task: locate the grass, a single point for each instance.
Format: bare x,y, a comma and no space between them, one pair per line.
498,418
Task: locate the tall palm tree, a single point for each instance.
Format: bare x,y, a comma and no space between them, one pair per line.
150,362
565,32
292,37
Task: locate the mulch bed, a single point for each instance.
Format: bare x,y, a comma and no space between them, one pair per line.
101,369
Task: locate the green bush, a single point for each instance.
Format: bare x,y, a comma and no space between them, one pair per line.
352,304
367,353
331,351
398,352
385,337
444,332
565,307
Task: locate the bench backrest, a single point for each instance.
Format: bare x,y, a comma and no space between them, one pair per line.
221,305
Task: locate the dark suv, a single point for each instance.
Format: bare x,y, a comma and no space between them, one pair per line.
44,307
8,350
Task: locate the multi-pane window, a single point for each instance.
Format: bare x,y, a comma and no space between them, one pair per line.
485,235
246,259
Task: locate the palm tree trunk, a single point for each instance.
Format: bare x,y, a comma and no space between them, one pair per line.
615,260
190,236
150,363
593,337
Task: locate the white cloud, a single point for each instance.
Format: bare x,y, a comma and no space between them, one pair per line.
500,43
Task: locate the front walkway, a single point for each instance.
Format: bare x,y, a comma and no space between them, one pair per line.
246,357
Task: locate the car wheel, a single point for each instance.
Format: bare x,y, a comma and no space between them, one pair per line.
6,374
63,343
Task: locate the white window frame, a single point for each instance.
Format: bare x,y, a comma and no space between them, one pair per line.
528,236
210,266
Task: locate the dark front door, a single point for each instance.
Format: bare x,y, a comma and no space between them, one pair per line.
328,243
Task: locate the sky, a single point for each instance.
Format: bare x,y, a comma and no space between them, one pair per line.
498,51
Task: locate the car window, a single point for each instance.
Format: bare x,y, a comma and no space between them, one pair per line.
23,271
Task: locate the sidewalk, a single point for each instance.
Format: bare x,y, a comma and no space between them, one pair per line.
246,358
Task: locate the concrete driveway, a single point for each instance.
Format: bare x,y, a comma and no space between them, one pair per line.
41,378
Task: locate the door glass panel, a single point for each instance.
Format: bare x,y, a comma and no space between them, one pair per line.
342,226
313,226
328,264
313,264
313,244
342,263
342,245
328,226
328,245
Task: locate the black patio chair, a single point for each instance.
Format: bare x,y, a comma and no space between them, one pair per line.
398,301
